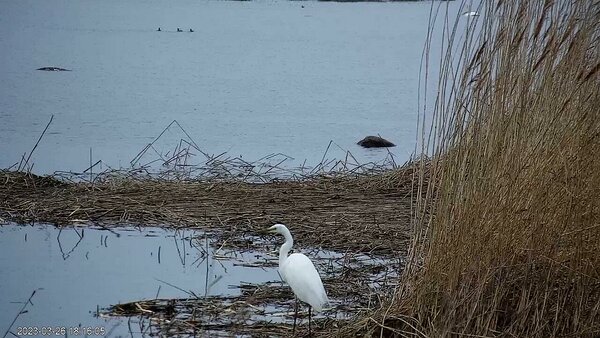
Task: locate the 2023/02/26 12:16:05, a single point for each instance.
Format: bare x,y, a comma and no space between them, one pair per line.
61,331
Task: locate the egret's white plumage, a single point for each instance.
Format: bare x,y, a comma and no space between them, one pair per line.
299,272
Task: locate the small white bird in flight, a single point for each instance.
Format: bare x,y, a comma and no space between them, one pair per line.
472,13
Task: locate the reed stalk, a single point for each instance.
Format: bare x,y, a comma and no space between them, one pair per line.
507,237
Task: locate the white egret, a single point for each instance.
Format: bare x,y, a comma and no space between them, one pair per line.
299,272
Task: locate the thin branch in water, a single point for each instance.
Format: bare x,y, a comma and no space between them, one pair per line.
21,311
36,144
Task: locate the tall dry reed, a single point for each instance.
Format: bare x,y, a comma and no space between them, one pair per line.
507,239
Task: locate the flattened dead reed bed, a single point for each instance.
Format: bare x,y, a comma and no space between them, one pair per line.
365,214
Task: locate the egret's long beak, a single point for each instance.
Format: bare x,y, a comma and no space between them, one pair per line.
267,231
272,230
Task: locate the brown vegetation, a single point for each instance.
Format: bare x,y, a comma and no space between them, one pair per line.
514,246
359,214
344,206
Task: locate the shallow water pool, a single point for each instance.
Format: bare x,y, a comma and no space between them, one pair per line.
78,271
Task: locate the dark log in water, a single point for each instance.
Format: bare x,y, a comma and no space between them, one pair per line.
375,142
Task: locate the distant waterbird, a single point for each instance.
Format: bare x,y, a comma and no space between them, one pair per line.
299,272
191,30
471,13
179,29
158,30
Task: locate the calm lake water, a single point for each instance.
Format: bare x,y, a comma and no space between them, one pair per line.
77,272
254,78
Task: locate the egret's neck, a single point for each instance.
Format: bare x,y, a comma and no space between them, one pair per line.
285,248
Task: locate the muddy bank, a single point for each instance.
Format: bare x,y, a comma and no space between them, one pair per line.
360,214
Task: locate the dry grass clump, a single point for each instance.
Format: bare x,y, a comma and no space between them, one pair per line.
514,246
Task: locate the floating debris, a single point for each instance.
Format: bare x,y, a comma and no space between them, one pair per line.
54,69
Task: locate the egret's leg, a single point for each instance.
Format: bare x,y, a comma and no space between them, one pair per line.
309,315
295,316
